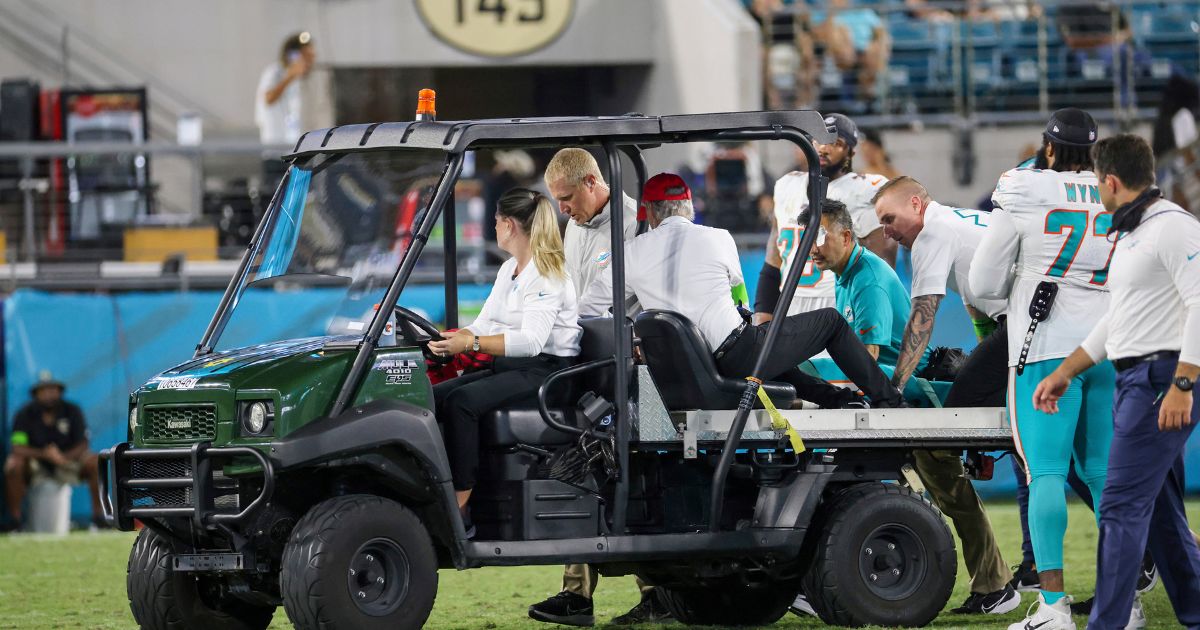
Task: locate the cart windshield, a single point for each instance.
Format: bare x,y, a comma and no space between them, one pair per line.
334,237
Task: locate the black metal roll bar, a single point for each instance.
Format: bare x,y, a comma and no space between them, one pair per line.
816,193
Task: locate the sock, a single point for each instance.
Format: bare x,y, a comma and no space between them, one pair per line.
1052,597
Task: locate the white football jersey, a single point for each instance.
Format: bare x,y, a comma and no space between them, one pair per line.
816,288
1048,226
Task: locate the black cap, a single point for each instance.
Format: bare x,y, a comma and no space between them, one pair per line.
843,127
1072,126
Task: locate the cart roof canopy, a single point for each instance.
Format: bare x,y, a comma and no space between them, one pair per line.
459,136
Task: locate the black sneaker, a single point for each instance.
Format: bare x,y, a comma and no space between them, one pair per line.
1025,578
571,609
1083,608
649,610
997,603
1148,577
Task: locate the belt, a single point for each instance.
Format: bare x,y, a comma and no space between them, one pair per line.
1128,362
729,341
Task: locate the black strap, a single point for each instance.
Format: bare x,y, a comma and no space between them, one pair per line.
1039,310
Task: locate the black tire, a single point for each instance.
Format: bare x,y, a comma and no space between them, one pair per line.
729,603
162,599
886,531
338,552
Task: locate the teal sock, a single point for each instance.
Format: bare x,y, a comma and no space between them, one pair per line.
1052,597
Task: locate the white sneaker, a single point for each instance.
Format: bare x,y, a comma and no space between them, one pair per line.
801,607
1056,616
1137,616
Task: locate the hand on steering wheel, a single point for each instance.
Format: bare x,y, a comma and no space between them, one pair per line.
418,331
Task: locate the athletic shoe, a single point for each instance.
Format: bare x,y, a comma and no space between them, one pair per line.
571,609
1056,616
801,607
1025,578
996,603
1137,616
1148,577
1084,607
649,610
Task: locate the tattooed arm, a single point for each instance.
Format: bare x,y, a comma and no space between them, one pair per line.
916,337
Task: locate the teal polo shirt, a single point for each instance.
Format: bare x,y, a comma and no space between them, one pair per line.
875,304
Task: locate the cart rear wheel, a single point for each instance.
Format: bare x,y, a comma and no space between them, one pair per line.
883,556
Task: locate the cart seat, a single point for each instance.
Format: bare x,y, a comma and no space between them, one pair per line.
684,370
522,424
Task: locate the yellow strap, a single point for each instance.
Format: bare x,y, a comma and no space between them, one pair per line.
779,422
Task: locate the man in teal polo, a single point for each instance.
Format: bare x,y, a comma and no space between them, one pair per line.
869,293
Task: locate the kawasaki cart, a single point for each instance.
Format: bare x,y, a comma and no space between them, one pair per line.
295,460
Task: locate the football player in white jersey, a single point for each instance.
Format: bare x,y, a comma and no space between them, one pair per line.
815,288
1046,252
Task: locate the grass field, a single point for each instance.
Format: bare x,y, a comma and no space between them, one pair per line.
79,582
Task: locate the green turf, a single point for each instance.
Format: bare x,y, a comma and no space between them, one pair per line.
79,582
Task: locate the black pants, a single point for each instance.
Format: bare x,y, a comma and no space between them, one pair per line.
982,380
461,402
802,336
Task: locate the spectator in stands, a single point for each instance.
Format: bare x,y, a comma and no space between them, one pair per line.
278,104
1101,33
858,41
789,59
49,438
875,159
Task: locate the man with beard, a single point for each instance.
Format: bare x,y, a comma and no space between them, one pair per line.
816,288
49,434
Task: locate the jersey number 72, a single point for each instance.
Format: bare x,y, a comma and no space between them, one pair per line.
1075,224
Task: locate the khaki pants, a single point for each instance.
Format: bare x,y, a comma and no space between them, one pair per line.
581,579
944,477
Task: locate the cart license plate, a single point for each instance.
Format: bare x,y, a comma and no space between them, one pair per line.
209,562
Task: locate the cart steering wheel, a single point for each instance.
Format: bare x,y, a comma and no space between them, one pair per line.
418,331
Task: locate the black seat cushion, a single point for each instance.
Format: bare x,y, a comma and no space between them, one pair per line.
684,370
509,427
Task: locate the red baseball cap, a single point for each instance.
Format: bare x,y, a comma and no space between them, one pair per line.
665,187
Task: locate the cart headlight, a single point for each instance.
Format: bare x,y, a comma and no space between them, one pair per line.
256,417
133,418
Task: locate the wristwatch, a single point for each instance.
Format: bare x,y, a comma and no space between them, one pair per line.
1184,383
475,347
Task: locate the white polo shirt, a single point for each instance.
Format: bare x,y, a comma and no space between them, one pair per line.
942,253
1154,280
687,268
588,248
536,314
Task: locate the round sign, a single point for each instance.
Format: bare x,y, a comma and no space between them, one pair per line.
497,28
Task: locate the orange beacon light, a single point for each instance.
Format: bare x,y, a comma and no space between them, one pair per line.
426,105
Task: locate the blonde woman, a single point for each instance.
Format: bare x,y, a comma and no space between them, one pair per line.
528,323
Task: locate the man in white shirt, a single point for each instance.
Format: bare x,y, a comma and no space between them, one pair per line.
691,269
575,183
943,242
815,289
278,106
1151,332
